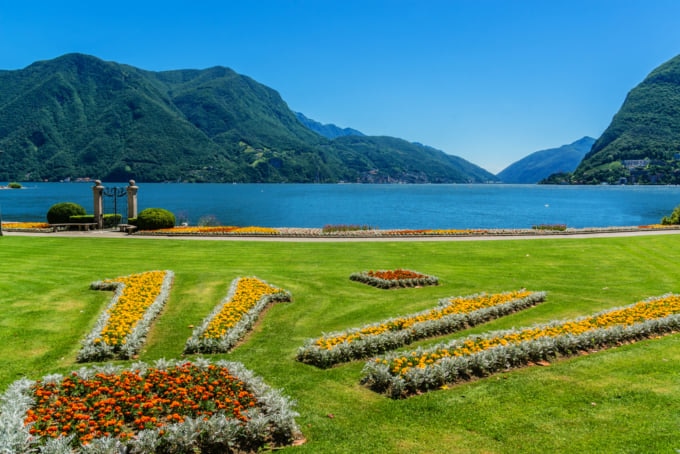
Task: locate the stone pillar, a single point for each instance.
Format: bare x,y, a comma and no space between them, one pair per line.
97,193
132,199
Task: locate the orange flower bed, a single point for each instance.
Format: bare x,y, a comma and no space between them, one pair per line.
220,331
248,292
394,278
195,229
141,290
119,405
481,355
214,230
122,327
447,232
637,313
452,314
395,274
150,409
25,225
457,305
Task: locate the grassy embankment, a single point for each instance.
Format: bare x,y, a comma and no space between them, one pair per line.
621,400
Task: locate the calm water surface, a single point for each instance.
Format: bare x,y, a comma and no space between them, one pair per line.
378,206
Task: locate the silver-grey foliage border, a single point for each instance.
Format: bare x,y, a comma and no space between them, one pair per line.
367,279
368,346
450,370
101,351
271,421
198,344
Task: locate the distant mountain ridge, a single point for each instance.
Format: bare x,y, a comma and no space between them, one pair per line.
541,164
79,116
329,131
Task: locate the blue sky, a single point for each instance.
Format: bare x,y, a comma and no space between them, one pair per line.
487,80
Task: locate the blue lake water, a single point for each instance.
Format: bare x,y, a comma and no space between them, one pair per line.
378,206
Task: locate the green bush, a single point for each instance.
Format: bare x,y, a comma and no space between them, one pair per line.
673,219
108,220
82,218
61,213
154,219
111,220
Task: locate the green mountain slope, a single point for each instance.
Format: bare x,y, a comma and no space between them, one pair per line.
541,164
79,116
642,143
390,160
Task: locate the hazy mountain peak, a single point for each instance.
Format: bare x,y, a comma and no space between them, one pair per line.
541,164
330,131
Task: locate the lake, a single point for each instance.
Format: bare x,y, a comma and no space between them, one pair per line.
378,206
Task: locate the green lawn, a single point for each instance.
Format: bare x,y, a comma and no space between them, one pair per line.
620,400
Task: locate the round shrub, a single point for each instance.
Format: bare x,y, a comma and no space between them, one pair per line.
155,218
61,213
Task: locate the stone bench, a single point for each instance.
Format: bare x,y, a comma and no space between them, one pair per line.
68,226
127,228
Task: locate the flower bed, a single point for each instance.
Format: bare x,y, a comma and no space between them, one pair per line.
554,227
26,226
170,407
335,228
402,374
434,232
394,278
212,230
122,327
452,314
369,232
234,316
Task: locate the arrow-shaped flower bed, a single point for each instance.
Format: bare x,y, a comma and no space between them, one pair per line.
168,407
403,374
452,314
394,278
121,329
234,316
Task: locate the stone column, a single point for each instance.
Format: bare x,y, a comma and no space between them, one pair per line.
132,199
97,193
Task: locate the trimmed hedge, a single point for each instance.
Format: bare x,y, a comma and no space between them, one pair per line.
112,220
82,218
61,213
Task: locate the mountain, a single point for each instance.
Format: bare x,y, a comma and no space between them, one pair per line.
541,164
413,162
642,142
79,116
329,131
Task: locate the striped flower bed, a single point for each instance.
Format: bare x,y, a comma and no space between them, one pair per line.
234,316
403,374
168,407
452,314
387,279
212,230
121,329
26,227
434,232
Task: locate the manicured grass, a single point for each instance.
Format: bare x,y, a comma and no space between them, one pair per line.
621,400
